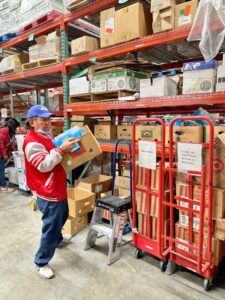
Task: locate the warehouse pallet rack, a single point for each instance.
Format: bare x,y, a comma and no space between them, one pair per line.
158,48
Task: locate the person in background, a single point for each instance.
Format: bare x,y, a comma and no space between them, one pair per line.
6,147
47,180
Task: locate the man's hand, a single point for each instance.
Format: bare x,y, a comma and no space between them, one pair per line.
69,144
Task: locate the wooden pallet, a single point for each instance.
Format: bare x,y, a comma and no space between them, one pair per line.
38,64
80,98
78,4
41,21
100,97
12,71
110,95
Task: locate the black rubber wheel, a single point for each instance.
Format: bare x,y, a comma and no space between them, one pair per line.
138,253
207,283
163,265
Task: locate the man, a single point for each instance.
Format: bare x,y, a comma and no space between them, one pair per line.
6,147
47,180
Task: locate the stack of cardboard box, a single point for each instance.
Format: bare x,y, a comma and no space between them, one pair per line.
142,200
186,219
80,203
48,47
128,23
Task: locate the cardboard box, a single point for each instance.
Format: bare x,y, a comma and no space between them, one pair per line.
19,160
123,185
84,44
75,225
149,132
182,234
126,170
161,4
47,47
199,77
99,84
141,178
142,200
89,149
95,184
185,13
163,19
217,131
218,162
79,86
108,132
142,226
186,134
19,141
13,62
219,229
107,25
80,201
124,132
183,190
157,87
220,83
133,21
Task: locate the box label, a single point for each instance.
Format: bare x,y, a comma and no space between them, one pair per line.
184,20
146,133
189,157
109,25
147,155
98,188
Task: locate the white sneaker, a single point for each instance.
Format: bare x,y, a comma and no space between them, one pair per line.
66,240
45,272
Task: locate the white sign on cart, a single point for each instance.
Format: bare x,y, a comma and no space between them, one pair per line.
189,157
147,154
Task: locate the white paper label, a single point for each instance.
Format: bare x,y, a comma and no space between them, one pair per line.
189,157
184,220
4,113
147,155
109,26
98,188
184,20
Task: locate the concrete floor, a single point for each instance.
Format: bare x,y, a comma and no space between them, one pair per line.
79,274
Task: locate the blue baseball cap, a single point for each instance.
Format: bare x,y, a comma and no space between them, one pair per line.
39,111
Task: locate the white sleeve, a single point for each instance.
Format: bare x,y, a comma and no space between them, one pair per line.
41,159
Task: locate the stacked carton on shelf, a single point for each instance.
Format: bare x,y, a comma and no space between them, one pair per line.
32,10
48,47
128,23
199,77
163,14
80,203
185,13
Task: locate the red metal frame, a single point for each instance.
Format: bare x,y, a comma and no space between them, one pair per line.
203,265
140,241
132,46
185,101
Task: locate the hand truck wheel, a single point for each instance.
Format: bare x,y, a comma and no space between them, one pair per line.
207,283
163,265
138,253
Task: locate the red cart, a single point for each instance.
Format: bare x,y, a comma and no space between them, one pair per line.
190,239
148,195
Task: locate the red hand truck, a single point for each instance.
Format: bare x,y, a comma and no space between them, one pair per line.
148,229
190,253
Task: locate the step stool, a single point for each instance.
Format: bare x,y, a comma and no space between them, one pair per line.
119,209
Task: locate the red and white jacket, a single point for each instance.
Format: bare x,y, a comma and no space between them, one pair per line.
45,175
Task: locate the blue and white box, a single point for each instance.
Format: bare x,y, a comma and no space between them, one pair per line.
199,77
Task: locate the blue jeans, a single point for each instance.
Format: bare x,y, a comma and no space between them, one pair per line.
54,216
2,172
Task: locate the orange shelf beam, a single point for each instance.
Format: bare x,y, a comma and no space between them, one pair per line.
56,68
133,46
148,103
